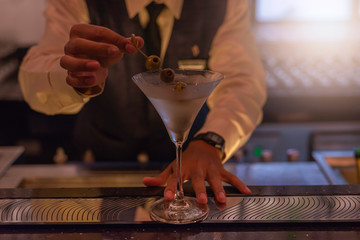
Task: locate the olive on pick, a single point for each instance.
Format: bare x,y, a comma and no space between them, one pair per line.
167,75
153,63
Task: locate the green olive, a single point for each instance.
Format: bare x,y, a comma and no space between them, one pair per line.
179,86
167,75
153,63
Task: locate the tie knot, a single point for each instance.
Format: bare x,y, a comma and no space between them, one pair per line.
154,10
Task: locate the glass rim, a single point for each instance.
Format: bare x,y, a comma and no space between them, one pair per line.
221,76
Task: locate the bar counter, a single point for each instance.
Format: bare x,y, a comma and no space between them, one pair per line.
322,229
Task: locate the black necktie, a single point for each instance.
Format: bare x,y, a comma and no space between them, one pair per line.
152,33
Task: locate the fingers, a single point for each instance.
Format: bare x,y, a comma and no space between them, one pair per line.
82,46
81,79
217,187
198,184
106,54
215,181
83,73
236,182
103,34
169,192
97,43
214,175
73,64
165,177
90,50
159,180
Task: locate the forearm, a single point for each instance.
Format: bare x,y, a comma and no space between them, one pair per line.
236,104
41,78
234,117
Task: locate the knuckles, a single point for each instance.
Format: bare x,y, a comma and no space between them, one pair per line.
76,30
88,31
79,30
69,81
98,33
70,46
63,62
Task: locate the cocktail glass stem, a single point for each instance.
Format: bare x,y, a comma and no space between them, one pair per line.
178,168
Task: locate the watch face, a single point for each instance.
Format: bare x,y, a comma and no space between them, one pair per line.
215,138
212,138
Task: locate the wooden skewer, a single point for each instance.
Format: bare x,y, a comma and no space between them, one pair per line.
136,45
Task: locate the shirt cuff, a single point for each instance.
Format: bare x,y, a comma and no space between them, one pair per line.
230,133
70,100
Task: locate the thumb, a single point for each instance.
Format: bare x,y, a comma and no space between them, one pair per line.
159,180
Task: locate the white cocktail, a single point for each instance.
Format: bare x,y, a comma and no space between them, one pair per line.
178,104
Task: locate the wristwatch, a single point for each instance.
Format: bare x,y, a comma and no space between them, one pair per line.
214,140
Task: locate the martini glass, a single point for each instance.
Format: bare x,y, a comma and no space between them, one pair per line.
178,104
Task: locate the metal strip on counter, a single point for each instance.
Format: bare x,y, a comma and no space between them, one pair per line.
135,210
8,155
106,206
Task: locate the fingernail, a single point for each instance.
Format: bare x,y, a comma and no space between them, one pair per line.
129,48
221,197
248,190
112,51
169,195
202,198
91,65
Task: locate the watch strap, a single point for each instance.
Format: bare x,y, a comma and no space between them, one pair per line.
214,140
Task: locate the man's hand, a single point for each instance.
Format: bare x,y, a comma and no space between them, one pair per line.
201,162
90,51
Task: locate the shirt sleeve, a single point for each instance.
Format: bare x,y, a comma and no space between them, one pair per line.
236,104
41,78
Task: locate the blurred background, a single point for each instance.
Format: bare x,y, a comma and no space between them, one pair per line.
311,53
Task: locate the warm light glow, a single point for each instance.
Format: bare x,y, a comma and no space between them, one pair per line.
304,10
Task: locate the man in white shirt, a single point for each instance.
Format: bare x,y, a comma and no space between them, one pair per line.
54,83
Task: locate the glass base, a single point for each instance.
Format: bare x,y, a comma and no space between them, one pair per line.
184,211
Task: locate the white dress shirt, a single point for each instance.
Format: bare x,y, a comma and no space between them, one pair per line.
236,104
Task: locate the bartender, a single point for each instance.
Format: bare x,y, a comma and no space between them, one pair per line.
85,60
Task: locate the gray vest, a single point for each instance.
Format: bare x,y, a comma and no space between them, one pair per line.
121,122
